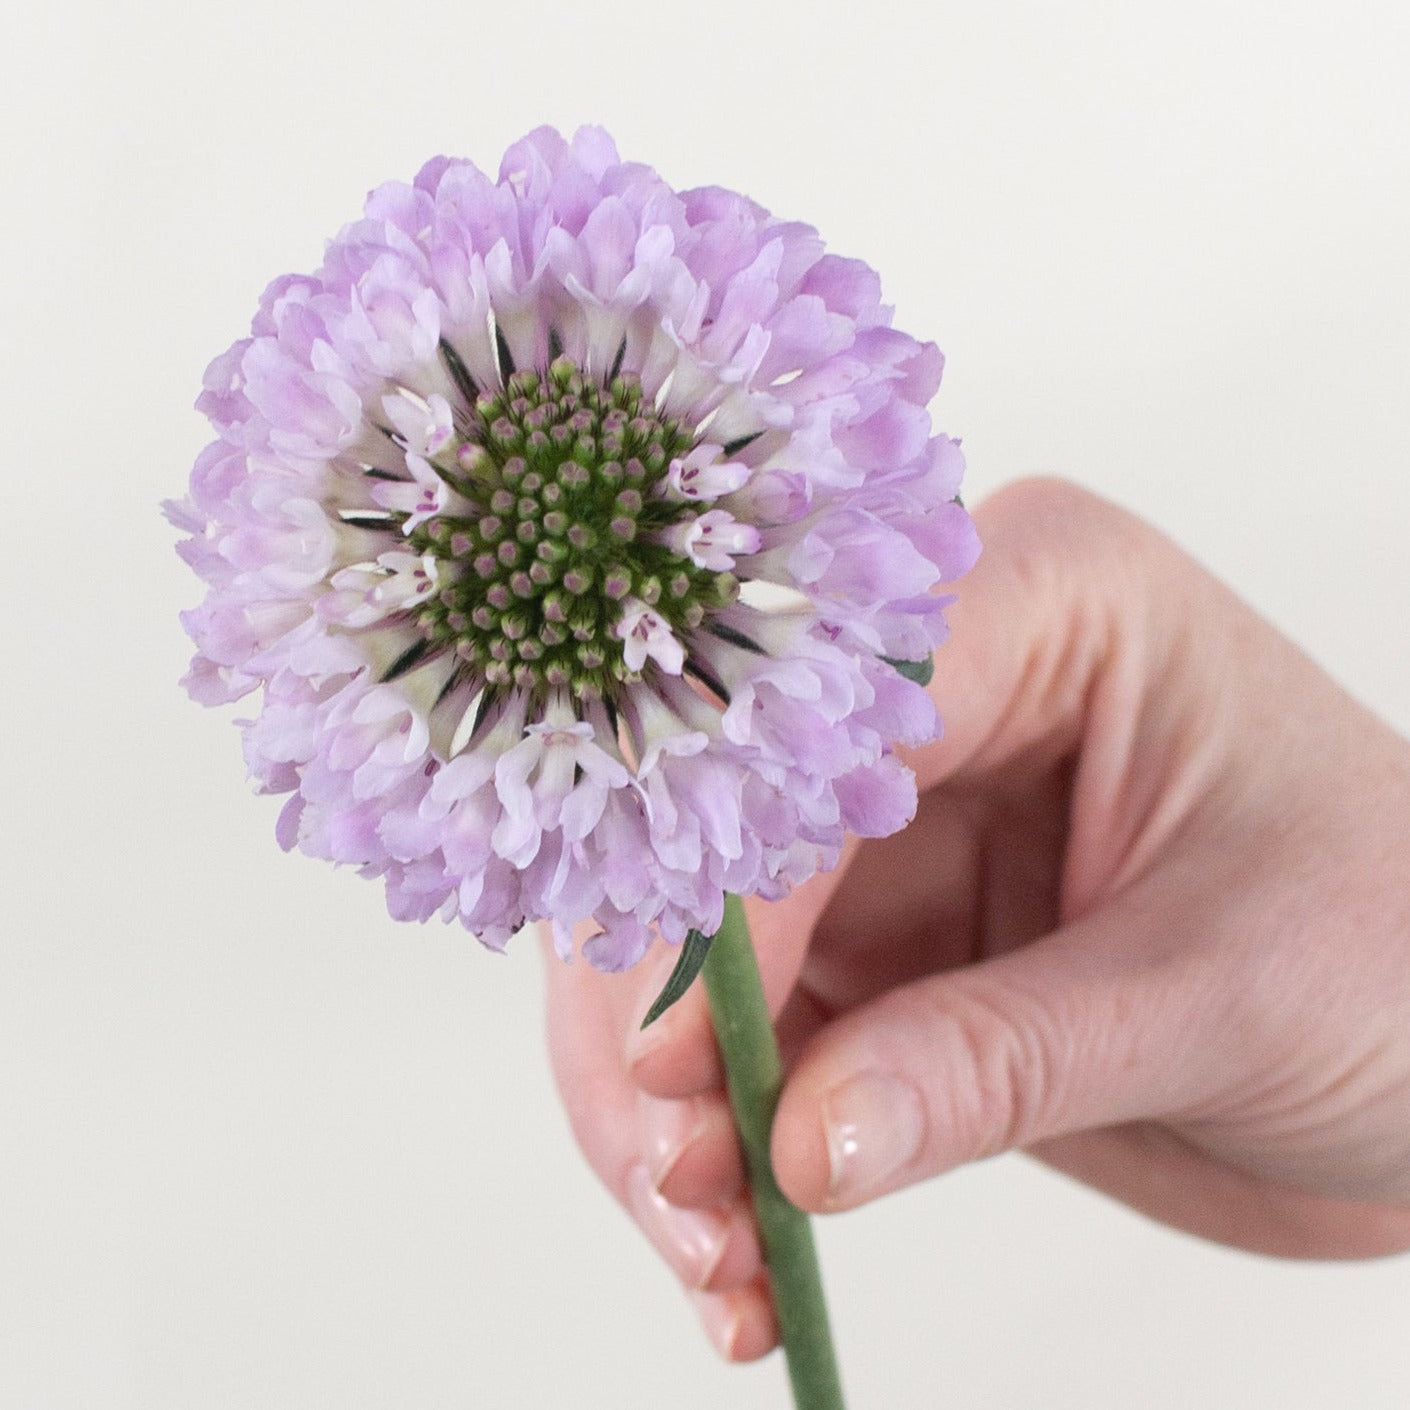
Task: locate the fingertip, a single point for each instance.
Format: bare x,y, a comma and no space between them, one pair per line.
799,1146
711,1250
740,1323
742,1258
844,1135
675,1056
691,1150
676,1070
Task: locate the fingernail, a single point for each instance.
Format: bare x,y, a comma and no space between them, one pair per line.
668,1129
721,1320
874,1125
692,1241
641,1041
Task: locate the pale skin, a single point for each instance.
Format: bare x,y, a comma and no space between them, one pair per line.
1151,925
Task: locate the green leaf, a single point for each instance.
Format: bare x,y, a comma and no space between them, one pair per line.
693,951
918,671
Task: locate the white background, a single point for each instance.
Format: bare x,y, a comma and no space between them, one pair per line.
262,1148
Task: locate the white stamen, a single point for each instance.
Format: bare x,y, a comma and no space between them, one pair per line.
644,634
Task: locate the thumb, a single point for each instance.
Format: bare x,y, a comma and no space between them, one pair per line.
1085,1028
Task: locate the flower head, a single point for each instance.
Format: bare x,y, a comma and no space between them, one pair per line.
570,526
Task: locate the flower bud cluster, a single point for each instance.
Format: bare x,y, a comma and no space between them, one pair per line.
562,520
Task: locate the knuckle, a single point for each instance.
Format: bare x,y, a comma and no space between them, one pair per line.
1054,530
1005,1098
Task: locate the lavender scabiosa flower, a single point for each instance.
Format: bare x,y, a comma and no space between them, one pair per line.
572,529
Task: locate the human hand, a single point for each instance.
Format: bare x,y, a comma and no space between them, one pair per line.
1151,924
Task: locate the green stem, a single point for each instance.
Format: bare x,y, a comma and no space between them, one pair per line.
754,1075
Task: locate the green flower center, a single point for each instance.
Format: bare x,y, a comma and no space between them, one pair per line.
564,480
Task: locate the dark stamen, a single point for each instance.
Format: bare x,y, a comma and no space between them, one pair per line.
409,658
459,373
489,697
707,678
506,358
455,679
725,632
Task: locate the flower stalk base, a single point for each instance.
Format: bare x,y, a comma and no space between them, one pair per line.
754,1075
